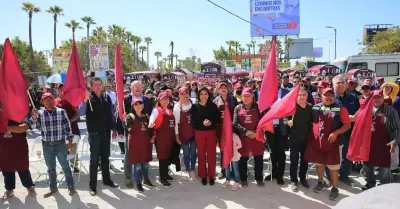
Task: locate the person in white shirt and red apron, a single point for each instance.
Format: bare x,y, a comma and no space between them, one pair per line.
184,132
140,144
163,121
245,120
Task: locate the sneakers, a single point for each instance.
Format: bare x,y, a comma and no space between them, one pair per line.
169,178
204,181
226,184
212,181
166,183
260,184
139,187
304,183
294,186
148,183
334,194
187,177
320,186
93,191
71,191
192,175
280,181
235,186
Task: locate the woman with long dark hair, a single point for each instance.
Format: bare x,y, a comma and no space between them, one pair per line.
204,118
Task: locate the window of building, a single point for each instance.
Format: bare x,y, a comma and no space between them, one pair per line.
357,65
387,69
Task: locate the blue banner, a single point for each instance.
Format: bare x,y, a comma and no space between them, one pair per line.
318,52
274,17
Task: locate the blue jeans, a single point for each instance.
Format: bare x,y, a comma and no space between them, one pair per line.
384,175
59,151
139,170
189,155
236,172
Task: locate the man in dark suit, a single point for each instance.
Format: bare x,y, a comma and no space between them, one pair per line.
136,93
278,143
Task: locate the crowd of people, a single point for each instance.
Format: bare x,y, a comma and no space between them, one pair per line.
191,118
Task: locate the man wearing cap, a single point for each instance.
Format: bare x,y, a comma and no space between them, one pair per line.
73,116
136,94
220,100
351,103
285,82
385,137
56,130
100,122
330,119
317,95
378,84
352,86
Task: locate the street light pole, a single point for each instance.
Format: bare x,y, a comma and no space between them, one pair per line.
329,52
334,29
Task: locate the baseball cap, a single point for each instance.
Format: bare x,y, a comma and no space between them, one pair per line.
238,85
351,82
247,91
168,92
380,79
183,90
47,94
327,90
220,84
378,93
366,83
134,101
162,95
323,84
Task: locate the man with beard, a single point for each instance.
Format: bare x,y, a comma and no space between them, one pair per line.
278,142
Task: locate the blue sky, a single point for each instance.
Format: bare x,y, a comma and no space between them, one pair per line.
197,24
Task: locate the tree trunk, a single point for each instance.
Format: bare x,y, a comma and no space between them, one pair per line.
176,62
157,62
241,57
148,65
142,56
73,34
254,52
55,32
87,32
30,43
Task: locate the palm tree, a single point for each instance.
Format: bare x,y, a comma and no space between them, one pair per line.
142,49
56,11
176,60
253,44
89,21
172,52
148,42
230,44
136,41
158,55
249,50
236,45
128,36
112,30
100,34
288,43
30,9
241,49
73,25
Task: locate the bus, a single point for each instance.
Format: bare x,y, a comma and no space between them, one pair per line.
384,65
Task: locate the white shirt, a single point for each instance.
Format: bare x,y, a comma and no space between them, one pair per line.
112,96
138,98
153,116
177,113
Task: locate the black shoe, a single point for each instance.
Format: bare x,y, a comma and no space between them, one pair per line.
169,178
260,184
212,181
204,181
268,178
148,183
111,167
304,183
334,194
111,184
367,186
280,181
93,191
139,187
294,186
166,183
221,175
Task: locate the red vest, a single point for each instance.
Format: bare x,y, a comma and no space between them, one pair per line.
165,135
186,130
379,152
140,148
249,119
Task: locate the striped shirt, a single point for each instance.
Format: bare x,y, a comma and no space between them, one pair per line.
54,125
392,122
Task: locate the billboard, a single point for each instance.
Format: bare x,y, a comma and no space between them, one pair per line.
302,47
317,52
274,17
61,60
99,60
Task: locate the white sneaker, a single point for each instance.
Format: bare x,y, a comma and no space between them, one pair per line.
235,186
192,175
226,184
187,177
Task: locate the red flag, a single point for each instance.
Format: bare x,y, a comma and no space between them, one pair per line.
360,139
74,88
269,85
227,137
119,80
283,108
13,86
3,122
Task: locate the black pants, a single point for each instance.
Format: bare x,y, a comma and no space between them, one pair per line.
99,147
258,168
24,176
296,149
277,143
174,158
122,147
163,167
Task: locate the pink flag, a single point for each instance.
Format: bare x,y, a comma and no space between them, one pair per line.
269,85
119,80
13,86
283,108
227,137
74,88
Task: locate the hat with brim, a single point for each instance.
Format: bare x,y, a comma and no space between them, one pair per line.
327,90
247,92
162,96
136,101
46,95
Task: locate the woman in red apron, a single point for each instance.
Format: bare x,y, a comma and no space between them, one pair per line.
380,151
163,121
140,144
14,157
245,120
204,118
184,132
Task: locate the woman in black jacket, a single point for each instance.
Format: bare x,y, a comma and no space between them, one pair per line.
204,118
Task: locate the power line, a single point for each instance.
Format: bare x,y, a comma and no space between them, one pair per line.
324,37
